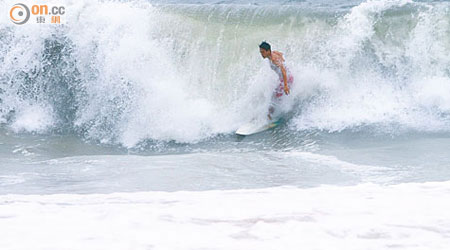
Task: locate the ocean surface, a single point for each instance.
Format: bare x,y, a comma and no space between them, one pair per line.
117,127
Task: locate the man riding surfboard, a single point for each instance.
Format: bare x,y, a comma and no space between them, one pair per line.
277,64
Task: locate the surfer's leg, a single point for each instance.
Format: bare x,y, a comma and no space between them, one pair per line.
274,105
271,110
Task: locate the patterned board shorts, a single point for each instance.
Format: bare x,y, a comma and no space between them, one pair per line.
279,91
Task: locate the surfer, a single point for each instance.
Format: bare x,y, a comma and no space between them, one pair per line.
277,64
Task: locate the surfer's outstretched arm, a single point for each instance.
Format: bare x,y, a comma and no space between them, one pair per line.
286,87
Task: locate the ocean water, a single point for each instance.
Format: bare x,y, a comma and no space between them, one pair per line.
117,128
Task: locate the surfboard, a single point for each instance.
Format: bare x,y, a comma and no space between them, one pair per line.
253,127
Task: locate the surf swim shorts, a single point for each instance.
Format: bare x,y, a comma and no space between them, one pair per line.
279,91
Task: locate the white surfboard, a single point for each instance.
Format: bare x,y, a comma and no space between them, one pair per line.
255,127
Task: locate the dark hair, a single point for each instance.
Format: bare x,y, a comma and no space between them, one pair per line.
264,45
